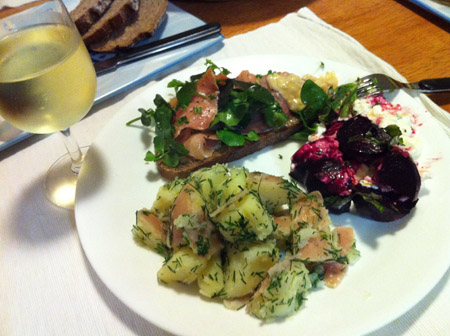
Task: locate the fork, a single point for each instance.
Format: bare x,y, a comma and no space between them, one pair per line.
377,83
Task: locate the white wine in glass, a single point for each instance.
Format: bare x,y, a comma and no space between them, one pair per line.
47,83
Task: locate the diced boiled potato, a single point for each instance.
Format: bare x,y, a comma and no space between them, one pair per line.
191,224
150,230
234,185
246,219
282,292
207,180
283,230
274,191
188,209
210,280
309,219
344,238
183,266
165,197
309,211
247,266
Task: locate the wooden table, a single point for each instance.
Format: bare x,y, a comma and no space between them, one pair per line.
414,41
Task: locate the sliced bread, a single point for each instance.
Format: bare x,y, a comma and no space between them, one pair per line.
150,16
229,154
113,21
88,12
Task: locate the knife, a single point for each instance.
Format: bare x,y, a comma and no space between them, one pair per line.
153,48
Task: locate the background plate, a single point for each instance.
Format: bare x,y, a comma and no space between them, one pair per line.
439,8
400,262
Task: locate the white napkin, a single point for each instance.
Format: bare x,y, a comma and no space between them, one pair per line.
47,286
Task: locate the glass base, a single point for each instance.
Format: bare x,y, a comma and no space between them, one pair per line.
61,182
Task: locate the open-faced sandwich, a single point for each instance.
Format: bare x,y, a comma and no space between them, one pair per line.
214,118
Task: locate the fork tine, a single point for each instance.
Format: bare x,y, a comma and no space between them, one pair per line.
367,90
366,79
366,84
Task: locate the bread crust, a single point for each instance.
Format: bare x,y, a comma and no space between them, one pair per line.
150,16
88,12
113,22
229,154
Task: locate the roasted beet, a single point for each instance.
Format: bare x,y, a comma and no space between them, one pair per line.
333,128
399,173
361,140
319,166
329,165
395,190
330,177
325,147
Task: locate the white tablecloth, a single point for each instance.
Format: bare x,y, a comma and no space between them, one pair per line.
47,286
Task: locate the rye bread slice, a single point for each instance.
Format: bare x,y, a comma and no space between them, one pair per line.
150,15
88,12
113,21
229,154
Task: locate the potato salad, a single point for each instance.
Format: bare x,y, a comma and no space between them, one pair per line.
246,238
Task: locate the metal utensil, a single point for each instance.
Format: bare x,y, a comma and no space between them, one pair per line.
376,83
153,48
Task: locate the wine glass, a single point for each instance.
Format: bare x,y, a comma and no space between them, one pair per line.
47,83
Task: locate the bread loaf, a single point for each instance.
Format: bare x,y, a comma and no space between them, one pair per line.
150,16
88,12
113,21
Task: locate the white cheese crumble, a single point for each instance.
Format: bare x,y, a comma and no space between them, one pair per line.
383,113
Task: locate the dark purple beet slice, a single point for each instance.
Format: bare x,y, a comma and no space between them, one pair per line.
397,182
399,173
361,140
331,177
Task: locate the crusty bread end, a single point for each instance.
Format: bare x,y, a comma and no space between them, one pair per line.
88,12
150,16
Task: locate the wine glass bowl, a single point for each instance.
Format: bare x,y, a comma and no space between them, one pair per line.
47,80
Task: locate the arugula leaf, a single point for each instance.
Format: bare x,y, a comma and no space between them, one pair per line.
395,132
305,133
146,118
252,136
274,115
314,98
176,84
259,94
166,147
214,67
344,97
185,93
230,138
249,99
233,139
234,110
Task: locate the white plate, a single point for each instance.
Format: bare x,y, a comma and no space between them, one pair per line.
400,262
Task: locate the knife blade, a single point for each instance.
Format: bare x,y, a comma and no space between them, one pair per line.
153,48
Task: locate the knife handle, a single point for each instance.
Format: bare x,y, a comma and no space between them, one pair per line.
168,43
155,47
434,85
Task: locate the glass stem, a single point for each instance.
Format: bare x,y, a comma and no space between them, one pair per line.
73,149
